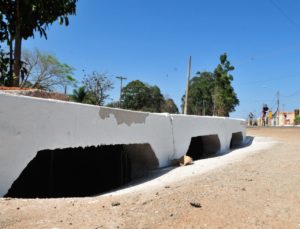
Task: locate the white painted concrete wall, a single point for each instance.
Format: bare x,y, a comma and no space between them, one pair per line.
28,125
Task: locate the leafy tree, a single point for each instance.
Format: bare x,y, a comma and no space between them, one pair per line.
169,106
21,18
212,93
137,95
224,98
155,99
44,71
80,95
3,28
114,104
4,67
97,85
200,94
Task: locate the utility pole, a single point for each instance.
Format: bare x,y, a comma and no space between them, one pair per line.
121,79
203,107
187,87
278,104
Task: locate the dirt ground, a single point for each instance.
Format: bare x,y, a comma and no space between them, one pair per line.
261,191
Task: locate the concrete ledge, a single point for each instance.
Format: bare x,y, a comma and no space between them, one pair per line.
29,125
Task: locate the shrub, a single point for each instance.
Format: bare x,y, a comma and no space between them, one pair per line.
297,120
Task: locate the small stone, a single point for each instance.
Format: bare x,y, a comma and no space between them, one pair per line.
167,186
115,203
18,208
243,189
171,215
195,204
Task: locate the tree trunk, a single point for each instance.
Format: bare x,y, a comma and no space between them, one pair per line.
11,63
17,53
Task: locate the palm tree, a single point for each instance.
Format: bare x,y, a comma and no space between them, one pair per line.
79,95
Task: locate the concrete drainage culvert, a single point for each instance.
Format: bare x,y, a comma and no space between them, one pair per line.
78,172
204,146
236,140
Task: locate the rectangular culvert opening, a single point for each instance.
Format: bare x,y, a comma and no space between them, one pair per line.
77,172
203,146
236,140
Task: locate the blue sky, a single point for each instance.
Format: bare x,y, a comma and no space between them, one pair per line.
152,40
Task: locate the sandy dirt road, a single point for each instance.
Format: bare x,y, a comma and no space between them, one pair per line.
261,191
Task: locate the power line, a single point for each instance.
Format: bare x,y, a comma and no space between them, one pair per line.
285,14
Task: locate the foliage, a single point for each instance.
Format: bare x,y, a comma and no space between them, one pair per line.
115,104
45,71
200,94
212,93
20,19
297,119
4,67
138,95
36,15
169,106
97,86
3,28
80,95
224,98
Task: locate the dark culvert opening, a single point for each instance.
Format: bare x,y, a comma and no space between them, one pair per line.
203,146
78,172
236,140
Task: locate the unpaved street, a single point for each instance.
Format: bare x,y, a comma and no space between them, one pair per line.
261,191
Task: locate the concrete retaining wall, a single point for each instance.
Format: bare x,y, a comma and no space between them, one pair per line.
29,125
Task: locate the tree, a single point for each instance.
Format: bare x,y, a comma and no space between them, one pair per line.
98,85
4,67
224,97
169,106
80,95
44,71
200,94
137,95
212,93
114,104
155,99
20,19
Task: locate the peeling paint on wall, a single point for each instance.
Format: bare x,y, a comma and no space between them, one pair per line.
124,116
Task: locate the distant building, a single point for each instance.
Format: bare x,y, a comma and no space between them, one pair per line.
286,118
282,118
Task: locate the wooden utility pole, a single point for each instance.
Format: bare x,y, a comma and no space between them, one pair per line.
187,86
278,104
121,79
